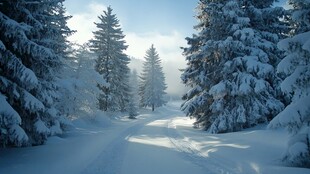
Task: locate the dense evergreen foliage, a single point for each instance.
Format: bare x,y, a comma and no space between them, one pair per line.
295,68
231,64
112,63
32,45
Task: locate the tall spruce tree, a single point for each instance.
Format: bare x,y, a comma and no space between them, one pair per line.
112,63
28,64
152,87
231,65
295,68
55,38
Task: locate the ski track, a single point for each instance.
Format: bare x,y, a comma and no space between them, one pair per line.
111,158
188,151
153,143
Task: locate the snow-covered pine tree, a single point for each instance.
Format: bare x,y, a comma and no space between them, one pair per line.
112,62
55,38
201,70
231,65
67,84
85,87
295,68
133,105
27,73
52,14
123,88
78,91
152,81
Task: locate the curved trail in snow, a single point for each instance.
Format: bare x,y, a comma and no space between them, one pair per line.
160,142
151,144
111,158
154,145
189,151
150,150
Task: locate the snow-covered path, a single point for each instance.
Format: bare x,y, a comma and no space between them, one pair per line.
151,151
133,146
159,142
144,147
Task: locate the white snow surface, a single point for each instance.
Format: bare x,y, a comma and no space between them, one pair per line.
156,142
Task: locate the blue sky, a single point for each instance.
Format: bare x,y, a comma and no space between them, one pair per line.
142,16
164,23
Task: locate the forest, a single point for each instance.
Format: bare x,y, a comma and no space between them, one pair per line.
246,65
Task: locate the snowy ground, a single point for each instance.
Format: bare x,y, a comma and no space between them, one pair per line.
161,142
